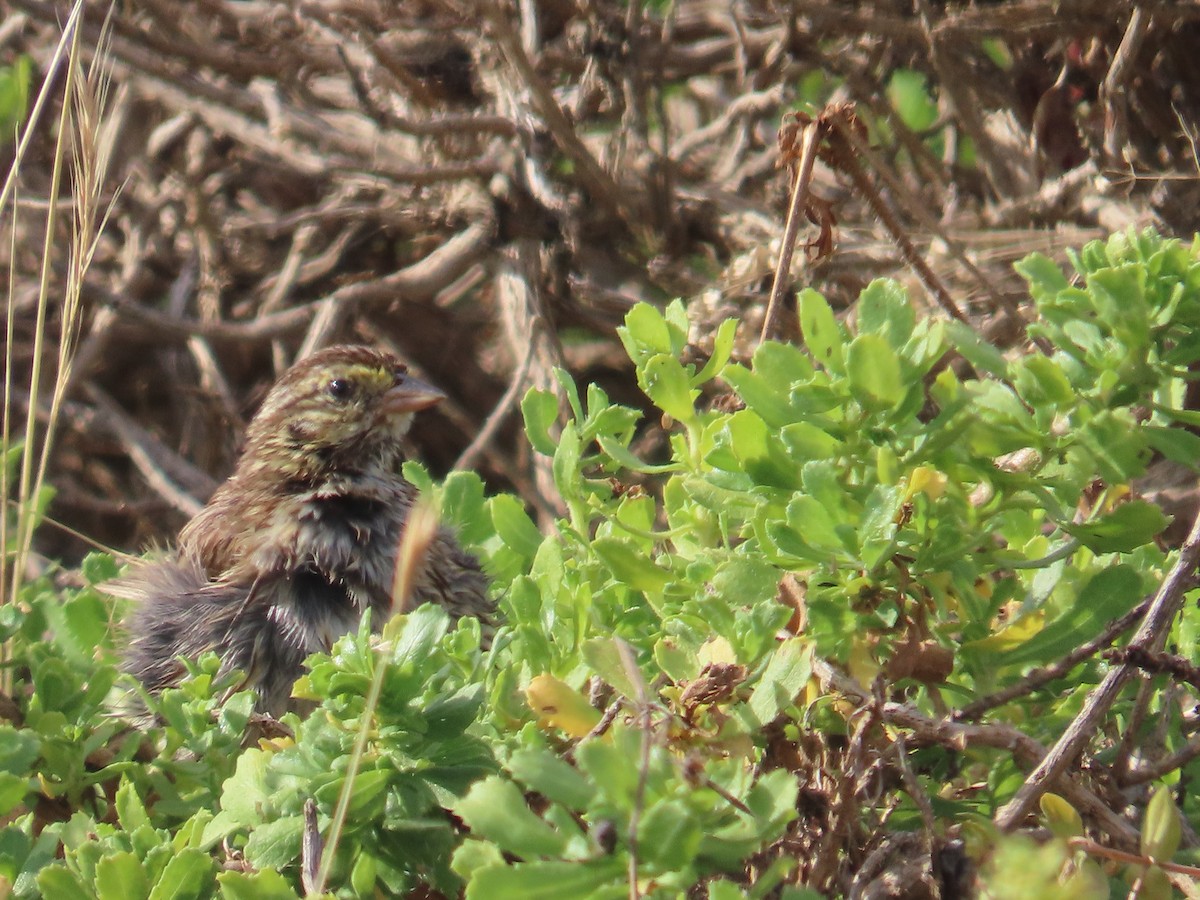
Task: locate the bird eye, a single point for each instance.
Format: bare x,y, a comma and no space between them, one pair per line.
340,388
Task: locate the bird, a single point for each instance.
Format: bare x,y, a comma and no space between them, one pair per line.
301,540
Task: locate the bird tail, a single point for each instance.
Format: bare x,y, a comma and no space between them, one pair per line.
178,612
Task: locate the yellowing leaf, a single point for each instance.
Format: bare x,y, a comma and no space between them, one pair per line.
862,663
716,650
1061,816
1011,636
558,705
927,481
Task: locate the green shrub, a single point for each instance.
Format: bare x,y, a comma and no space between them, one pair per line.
897,497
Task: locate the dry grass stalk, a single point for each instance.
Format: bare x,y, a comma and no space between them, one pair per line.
419,532
82,131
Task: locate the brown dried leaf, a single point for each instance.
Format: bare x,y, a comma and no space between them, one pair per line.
717,682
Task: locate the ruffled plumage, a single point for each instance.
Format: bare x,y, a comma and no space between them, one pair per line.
302,539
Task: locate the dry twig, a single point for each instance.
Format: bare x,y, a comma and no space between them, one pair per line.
1149,637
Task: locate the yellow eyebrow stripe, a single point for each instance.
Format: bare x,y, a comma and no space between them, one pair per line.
369,374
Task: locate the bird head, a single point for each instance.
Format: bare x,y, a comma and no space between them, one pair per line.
343,408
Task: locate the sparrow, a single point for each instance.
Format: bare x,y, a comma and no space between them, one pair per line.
301,540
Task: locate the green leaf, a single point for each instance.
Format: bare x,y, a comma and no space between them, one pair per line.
1175,444
613,773
495,809
1155,885
131,812
423,629
1040,380
811,523
418,475
785,676
783,365
1062,818
473,855
464,507
1120,297
81,626
908,92
822,334
188,876
926,345
1161,831
975,350
746,581
606,418
98,568
874,372
514,526
18,750
724,890
772,799
806,441
722,349
120,876
366,797
1043,275
646,332
14,96
677,660
669,835
244,795
621,455
877,525
571,391
266,885
13,790
276,844
552,777
884,309
567,462
540,411
364,875
767,390
604,656
1129,526
760,451
1116,446
630,565
55,881
668,384
548,880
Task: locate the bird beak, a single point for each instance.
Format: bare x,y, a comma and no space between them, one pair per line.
410,395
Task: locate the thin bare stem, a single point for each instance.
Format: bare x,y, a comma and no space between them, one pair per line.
629,664
1150,636
520,378
947,733
1158,768
1114,88
1045,674
813,132
1133,859
847,162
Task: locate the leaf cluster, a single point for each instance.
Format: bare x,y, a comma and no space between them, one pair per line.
896,500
